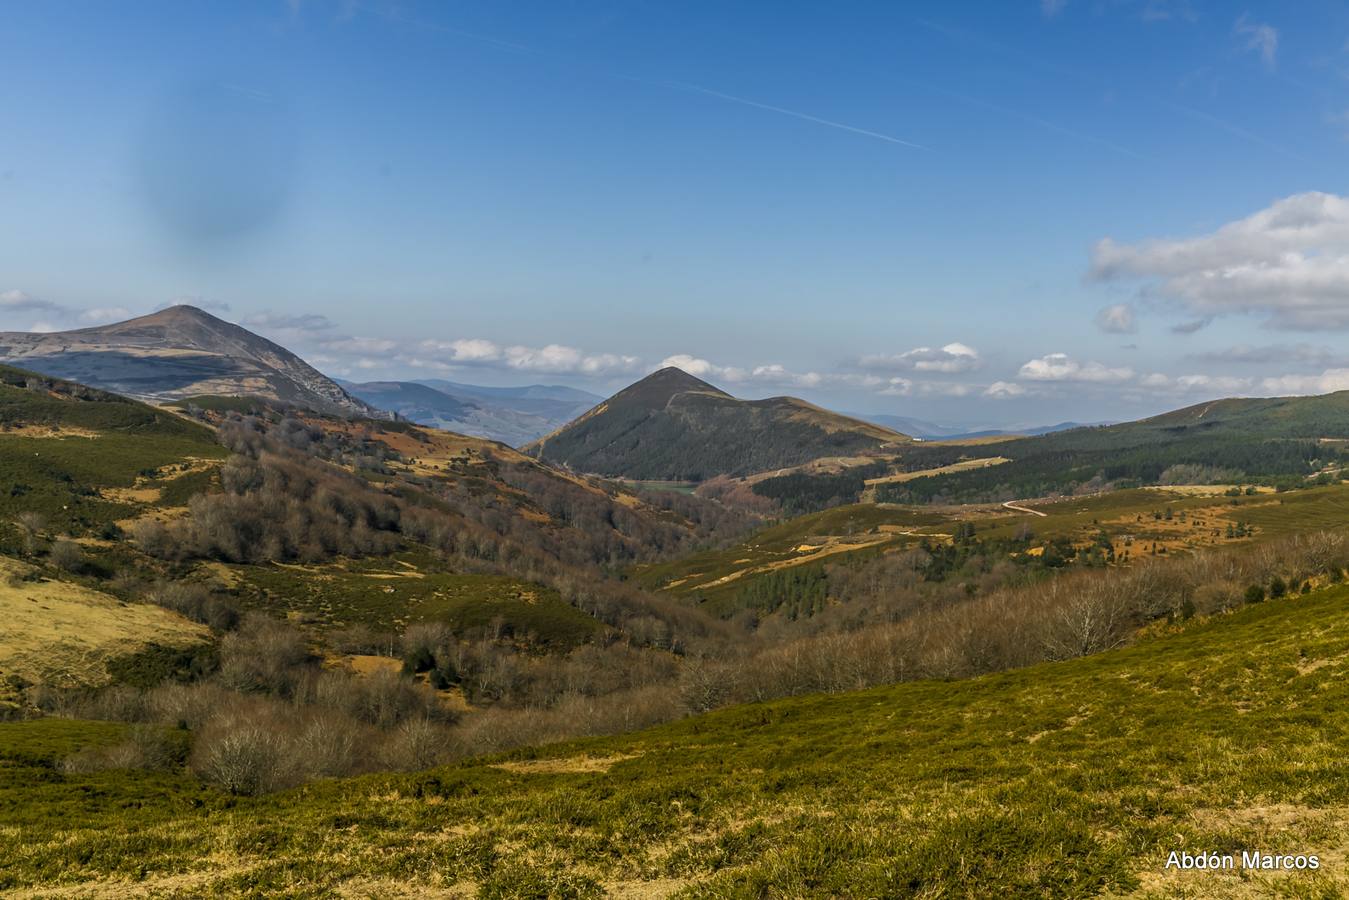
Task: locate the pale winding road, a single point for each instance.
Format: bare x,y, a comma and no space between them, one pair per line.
1012,504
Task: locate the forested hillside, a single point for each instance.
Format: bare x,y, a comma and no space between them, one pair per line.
671,426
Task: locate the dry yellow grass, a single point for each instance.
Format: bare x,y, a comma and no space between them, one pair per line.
63,634
48,431
564,766
1205,490
367,664
963,465
809,553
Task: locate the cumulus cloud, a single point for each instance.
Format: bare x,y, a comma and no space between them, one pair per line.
1223,384
1259,38
472,350
554,359
18,301
771,374
1289,261
1117,319
560,359
1275,353
1004,390
1327,382
952,358
358,345
100,314
776,375
1062,367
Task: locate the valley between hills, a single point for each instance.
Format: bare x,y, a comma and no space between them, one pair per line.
265,636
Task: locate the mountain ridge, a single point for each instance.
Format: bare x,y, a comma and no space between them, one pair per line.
514,416
671,425
177,353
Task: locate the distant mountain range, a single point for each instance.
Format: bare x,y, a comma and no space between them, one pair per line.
512,415
673,426
930,431
177,353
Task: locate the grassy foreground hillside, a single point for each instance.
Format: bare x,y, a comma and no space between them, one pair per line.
1066,779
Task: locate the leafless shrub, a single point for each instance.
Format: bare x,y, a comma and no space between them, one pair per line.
361,639
65,554
146,747
327,746
30,524
422,641
263,655
153,538
416,744
244,751
187,705
704,684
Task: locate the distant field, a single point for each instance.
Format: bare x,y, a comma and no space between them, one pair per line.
1071,779
1303,510
392,593
682,487
962,466
797,541
1133,512
1138,521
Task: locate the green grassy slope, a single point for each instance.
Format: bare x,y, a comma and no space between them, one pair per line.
394,592
99,440
1273,440
1062,780
860,523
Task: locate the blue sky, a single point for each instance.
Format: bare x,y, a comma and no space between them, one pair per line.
988,213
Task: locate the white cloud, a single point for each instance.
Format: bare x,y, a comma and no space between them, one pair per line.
474,350
1004,390
559,359
1289,261
777,375
1275,353
1061,367
897,387
105,314
1051,8
954,357
358,345
43,327
18,301
1260,38
1117,319
1221,384
1328,381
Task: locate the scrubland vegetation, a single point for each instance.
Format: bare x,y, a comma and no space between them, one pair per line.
382,598
1061,779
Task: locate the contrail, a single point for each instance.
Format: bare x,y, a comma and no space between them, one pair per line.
679,85
1234,129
